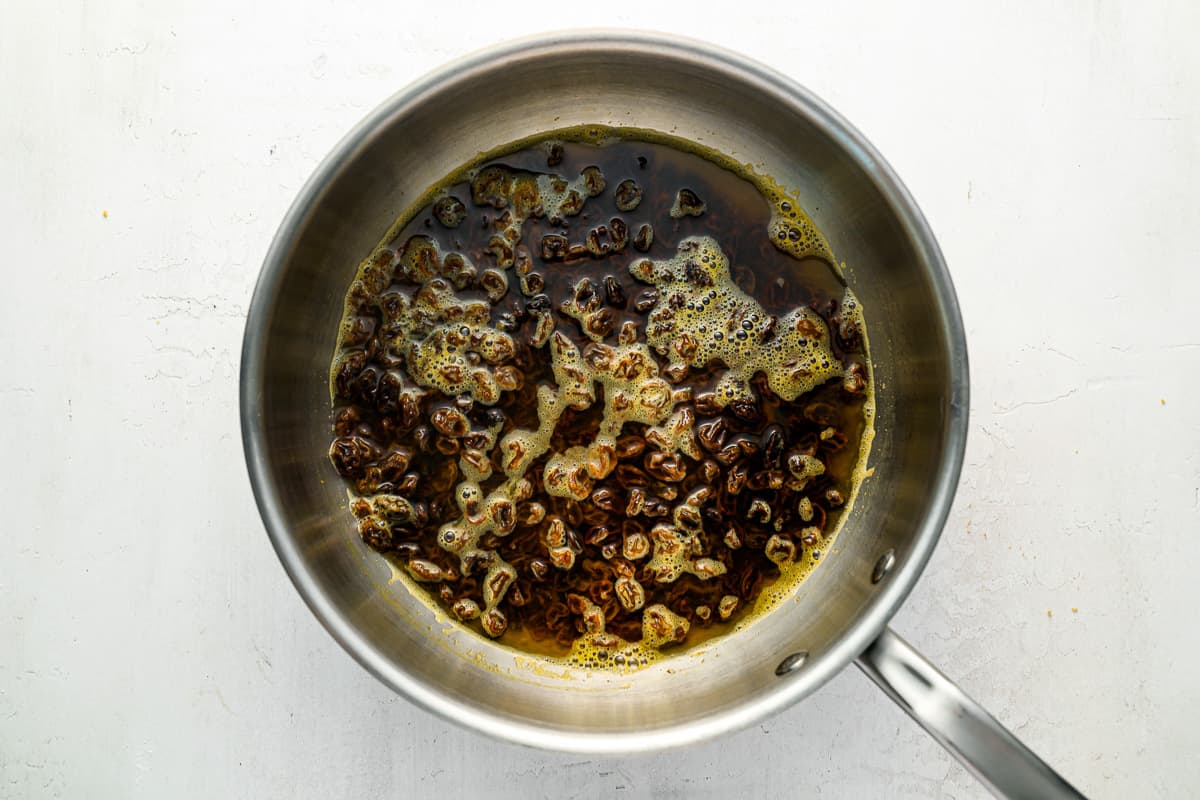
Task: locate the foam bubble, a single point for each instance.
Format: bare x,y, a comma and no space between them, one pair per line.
791,230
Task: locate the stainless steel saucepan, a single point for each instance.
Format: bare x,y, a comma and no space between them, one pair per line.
840,613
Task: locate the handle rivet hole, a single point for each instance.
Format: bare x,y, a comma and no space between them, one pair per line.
792,663
883,566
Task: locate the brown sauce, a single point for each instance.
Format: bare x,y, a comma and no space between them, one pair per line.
599,391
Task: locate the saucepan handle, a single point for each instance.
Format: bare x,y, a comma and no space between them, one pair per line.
996,757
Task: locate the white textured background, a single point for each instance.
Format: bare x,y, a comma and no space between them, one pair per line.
150,644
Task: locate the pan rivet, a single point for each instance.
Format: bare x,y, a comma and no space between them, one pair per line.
883,566
792,663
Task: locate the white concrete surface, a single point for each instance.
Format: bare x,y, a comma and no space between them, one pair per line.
150,644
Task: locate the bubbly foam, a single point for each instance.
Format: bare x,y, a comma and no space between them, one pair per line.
792,231
703,317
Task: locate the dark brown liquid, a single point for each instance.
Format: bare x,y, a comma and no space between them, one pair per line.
386,446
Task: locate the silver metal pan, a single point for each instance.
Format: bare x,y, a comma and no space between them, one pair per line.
840,613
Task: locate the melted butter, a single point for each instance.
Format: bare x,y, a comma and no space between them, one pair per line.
794,354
